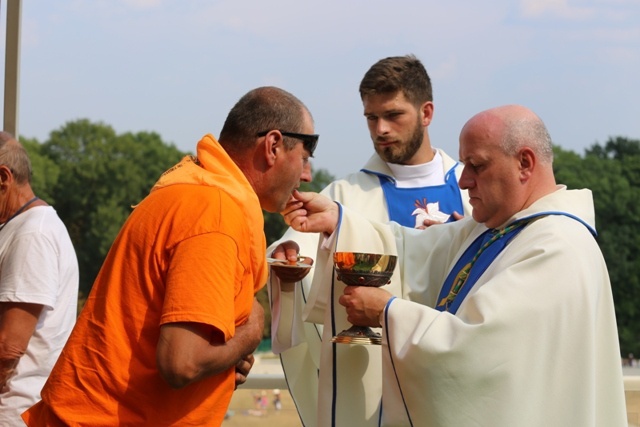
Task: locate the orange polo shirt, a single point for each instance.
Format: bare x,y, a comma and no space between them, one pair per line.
192,251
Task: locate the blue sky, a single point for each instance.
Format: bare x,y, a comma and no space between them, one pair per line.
177,67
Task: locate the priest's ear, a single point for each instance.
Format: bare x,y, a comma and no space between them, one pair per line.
527,162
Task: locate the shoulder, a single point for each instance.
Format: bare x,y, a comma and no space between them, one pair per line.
449,162
560,241
352,185
197,197
39,221
191,209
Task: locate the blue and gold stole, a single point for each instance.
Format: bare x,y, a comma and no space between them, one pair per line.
473,263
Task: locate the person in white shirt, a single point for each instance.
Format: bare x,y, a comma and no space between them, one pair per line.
38,285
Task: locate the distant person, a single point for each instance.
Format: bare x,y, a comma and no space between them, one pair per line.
496,306
277,401
407,181
38,285
171,323
264,401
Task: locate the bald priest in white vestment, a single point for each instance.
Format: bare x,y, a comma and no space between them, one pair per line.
508,318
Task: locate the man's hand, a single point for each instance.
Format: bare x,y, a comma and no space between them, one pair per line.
428,223
242,369
364,304
311,213
252,330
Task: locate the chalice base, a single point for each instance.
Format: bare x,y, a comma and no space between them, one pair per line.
358,335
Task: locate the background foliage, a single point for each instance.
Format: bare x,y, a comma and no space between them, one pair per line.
612,172
93,176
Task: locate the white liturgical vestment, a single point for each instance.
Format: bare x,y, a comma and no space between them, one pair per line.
334,384
533,344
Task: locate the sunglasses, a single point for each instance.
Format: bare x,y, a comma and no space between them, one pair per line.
309,142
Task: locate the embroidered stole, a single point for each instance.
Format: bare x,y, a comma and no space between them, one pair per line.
473,263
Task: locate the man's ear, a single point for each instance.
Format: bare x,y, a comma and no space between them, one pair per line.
527,160
272,146
5,175
426,111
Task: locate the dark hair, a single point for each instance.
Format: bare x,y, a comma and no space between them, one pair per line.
398,73
15,157
264,108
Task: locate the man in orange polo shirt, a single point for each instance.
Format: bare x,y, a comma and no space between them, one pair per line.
171,323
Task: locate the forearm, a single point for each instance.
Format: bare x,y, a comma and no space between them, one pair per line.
17,323
229,354
7,368
189,352
184,360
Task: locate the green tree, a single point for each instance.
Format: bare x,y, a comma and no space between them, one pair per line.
45,171
612,172
618,213
102,175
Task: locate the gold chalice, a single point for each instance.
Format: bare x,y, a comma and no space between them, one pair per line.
362,269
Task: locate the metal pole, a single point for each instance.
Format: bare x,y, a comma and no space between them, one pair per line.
12,67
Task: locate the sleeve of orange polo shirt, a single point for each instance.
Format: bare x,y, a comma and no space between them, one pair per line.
201,282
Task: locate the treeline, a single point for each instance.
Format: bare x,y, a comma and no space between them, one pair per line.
612,172
93,177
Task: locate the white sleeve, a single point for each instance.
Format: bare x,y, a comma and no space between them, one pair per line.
29,271
287,327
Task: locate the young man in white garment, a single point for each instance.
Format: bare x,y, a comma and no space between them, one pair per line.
406,181
497,305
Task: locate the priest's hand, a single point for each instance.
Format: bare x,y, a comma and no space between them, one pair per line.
428,223
364,304
309,212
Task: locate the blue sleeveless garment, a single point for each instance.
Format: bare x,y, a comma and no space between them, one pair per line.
402,202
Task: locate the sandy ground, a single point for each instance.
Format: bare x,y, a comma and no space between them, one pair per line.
247,412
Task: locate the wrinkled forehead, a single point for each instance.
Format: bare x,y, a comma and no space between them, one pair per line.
479,148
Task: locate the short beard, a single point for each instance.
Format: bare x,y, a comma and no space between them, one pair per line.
403,156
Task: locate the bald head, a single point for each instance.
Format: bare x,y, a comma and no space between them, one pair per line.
513,127
508,158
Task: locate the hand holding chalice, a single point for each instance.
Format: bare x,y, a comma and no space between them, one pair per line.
362,269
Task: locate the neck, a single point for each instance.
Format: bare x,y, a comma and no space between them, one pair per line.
14,202
425,153
544,186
